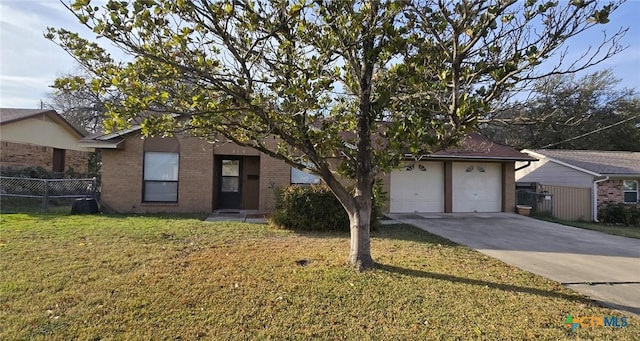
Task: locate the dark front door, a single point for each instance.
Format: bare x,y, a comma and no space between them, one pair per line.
230,185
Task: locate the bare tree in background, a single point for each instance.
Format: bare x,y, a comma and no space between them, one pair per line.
82,106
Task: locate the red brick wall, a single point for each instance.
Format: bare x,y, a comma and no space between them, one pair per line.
19,155
611,191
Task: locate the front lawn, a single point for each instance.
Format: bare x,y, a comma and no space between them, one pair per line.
618,230
151,278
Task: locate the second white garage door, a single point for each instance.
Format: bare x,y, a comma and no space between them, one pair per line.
417,187
476,187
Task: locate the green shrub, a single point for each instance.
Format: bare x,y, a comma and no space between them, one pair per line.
619,213
315,208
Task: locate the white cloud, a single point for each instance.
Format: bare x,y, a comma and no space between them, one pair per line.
29,63
18,92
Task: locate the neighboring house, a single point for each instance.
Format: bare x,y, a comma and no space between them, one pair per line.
40,137
585,180
188,174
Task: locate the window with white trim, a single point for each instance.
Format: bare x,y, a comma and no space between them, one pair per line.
630,191
161,176
299,177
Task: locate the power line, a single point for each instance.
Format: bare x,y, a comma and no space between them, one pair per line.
591,132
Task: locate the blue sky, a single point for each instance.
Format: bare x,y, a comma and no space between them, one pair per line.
29,63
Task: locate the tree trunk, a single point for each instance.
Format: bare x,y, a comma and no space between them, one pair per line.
360,228
358,208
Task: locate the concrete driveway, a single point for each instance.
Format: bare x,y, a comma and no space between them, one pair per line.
604,267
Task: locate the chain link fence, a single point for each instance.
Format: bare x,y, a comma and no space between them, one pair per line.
540,203
48,189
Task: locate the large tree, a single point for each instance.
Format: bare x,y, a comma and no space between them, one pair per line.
569,112
81,105
345,87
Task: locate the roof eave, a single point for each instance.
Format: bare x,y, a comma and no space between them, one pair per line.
103,144
118,133
622,175
475,158
542,156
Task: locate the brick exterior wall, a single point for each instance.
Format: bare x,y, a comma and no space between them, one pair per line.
611,191
121,188
508,187
274,173
19,155
122,177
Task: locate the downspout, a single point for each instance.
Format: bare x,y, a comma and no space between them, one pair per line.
523,166
595,197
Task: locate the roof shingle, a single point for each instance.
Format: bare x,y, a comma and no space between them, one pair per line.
11,114
476,146
597,161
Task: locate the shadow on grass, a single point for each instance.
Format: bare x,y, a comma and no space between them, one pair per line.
401,232
477,282
11,205
409,233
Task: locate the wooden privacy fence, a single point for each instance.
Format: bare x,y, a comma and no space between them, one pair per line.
571,203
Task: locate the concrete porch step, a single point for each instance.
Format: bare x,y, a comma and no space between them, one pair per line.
246,216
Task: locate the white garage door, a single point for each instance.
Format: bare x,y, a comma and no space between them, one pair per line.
477,187
417,187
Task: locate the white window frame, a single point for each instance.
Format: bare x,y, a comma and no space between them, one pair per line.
168,178
625,191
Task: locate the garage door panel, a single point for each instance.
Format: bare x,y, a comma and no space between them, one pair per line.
476,187
417,187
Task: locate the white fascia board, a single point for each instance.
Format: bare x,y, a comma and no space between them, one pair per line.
489,158
101,145
622,175
118,133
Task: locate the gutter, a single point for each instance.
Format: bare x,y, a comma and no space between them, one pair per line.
523,166
595,197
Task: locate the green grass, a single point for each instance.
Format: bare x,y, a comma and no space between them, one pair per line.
34,205
618,230
167,277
